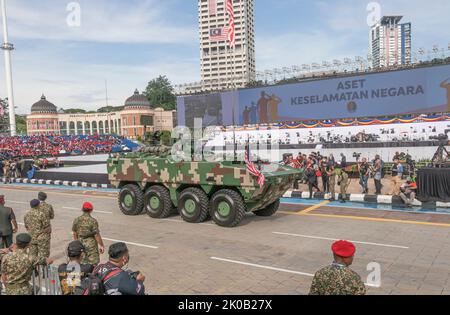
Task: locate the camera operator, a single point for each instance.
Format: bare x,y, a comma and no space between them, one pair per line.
116,279
363,169
408,192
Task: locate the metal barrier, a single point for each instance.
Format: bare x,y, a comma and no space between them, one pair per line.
45,281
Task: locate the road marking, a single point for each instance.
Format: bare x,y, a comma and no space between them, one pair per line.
59,193
377,219
263,267
18,202
95,211
130,243
276,269
335,239
324,203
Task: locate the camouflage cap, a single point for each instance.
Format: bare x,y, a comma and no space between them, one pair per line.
42,196
23,239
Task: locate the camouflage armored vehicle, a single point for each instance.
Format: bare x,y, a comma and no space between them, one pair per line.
150,181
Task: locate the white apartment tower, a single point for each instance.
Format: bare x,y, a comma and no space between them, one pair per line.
390,42
222,68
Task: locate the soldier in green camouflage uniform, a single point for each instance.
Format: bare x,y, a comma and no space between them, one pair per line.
339,279
38,225
17,267
46,207
344,183
85,228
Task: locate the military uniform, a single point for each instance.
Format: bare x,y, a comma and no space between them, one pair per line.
332,182
38,225
6,228
18,266
86,227
47,209
337,280
344,183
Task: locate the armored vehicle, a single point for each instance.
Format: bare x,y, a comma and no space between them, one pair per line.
150,181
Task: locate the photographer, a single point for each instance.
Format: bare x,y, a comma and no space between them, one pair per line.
73,273
363,169
408,192
116,279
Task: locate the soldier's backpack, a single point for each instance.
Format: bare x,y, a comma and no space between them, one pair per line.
94,284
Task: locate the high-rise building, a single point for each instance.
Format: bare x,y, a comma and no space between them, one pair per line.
221,67
390,42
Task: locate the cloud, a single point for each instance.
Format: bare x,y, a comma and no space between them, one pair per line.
101,21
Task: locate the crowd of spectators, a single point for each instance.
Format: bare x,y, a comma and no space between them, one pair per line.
52,146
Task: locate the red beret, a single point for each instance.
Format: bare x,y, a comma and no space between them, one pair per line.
343,249
88,206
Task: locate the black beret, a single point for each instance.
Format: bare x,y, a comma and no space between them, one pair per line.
34,203
117,250
23,239
42,196
75,249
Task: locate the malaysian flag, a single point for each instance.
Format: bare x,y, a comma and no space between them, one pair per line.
231,26
251,167
218,34
212,4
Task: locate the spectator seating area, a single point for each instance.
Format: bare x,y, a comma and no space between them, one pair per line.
38,146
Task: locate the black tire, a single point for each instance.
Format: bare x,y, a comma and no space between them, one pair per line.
268,211
193,205
131,200
157,202
234,208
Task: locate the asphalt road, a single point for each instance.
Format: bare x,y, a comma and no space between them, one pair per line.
276,255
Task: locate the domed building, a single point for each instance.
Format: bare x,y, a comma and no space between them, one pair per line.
43,118
46,119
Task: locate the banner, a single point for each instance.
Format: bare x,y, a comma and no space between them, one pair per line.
395,93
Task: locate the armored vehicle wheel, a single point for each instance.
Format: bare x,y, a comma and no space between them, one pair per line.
193,205
269,211
157,202
227,208
131,200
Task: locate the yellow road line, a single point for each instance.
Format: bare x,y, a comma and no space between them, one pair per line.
314,207
337,216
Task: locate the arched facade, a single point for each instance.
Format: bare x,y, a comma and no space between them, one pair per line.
44,119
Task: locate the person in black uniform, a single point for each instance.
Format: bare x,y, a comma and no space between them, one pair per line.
116,279
72,274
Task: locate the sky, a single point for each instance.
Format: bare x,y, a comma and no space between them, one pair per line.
128,43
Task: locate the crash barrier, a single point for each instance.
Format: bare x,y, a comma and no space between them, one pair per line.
45,281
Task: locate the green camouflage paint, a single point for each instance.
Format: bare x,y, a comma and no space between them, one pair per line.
145,170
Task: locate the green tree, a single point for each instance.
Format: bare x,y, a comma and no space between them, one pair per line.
109,109
74,111
160,93
21,125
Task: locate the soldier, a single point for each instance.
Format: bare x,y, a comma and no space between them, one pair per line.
343,183
8,224
85,228
46,207
17,267
38,225
331,171
339,279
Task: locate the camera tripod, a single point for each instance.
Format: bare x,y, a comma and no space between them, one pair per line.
441,157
